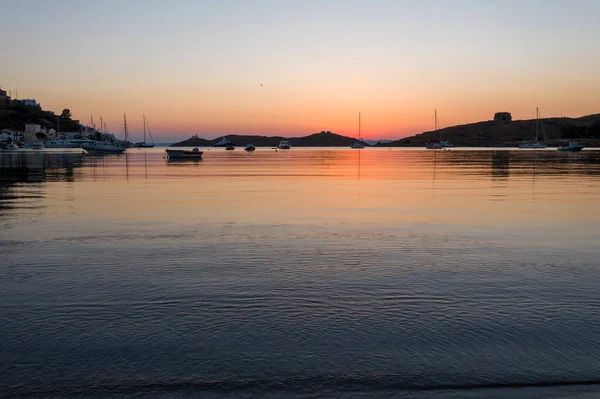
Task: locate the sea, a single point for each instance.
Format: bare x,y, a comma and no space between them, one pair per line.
302,273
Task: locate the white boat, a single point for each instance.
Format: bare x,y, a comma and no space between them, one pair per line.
440,143
61,144
249,147
102,147
573,147
535,144
284,145
78,143
143,144
358,144
183,154
223,143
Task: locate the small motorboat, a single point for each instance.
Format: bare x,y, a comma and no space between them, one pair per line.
573,147
230,147
250,147
184,154
284,145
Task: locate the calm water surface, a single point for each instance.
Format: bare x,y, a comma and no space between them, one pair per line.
301,273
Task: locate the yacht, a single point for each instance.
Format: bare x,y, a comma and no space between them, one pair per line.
61,144
144,144
77,143
249,147
438,144
573,147
536,144
102,147
284,145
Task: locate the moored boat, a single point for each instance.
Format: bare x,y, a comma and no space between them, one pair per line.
438,144
573,147
536,144
61,144
183,154
284,145
249,147
144,144
230,147
102,147
529,146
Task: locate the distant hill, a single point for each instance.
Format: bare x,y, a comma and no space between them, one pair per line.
509,134
322,139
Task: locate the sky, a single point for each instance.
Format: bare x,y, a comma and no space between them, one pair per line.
293,68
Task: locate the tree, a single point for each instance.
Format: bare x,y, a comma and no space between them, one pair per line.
66,113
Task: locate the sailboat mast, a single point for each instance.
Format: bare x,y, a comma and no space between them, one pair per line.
542,126
359,126
144,128
537,122
125,125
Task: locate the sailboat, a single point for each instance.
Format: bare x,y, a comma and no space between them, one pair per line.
358,144
143,144
440,143
572,147
536,143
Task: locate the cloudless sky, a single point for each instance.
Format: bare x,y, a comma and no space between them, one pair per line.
297,67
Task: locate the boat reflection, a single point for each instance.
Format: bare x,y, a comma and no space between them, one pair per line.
500,164
18,167
181,161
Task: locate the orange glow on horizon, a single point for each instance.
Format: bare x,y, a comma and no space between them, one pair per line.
390,113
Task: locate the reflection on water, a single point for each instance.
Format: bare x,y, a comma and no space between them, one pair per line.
309,272
500,164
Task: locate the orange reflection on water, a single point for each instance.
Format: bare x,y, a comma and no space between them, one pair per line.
389,188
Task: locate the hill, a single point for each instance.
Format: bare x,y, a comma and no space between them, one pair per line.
508,134
14,115
322,139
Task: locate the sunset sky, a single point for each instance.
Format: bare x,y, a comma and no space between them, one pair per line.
294,67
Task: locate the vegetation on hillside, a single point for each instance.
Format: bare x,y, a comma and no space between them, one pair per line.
14,116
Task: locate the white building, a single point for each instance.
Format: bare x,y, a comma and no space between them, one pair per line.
6,134
30,102
31,130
